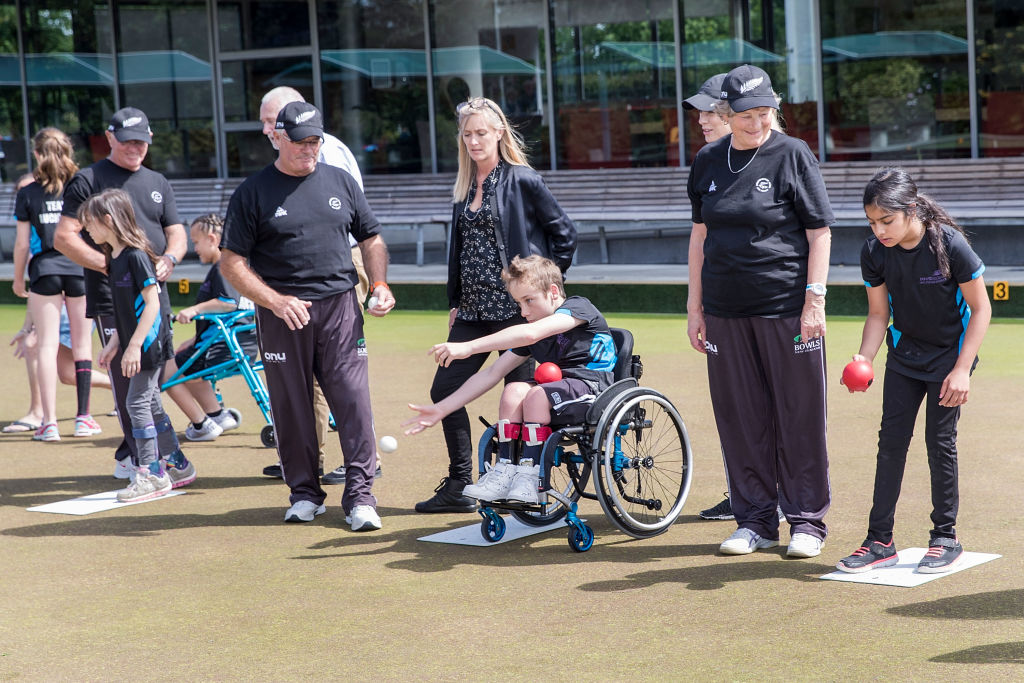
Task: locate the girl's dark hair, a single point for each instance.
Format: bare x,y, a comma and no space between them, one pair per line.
210,224
892,189
56,166
118,206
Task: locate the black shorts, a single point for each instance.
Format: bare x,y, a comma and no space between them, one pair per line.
52,285
570,399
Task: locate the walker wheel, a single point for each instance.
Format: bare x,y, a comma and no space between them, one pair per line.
492,528
267,436
581,540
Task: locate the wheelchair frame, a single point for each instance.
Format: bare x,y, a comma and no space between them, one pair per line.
633,446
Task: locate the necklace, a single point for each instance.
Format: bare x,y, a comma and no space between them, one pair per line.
728,157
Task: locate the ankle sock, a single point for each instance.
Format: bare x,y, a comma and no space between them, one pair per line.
83,382
215,413
199,425
178,459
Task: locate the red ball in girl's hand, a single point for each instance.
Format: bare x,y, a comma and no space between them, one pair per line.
857,375
547,372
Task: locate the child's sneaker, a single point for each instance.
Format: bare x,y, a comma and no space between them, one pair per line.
943,554
182,473
494,484
47,432
208,431
524,484
86,426
145,487
871,555
226,421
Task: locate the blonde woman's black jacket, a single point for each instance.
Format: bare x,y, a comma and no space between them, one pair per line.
530,220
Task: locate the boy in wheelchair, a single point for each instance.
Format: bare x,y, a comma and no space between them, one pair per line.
569,332
196,398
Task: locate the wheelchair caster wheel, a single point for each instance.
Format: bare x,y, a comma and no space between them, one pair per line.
267,436
235,414
492,528
581,540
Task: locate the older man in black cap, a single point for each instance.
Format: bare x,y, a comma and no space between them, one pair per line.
129,137
286,248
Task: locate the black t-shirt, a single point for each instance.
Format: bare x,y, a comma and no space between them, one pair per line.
755,252
42,211
294,230
585,352
152,199
929,314
130,273
216,287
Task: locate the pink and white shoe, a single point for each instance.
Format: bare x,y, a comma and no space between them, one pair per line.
86,426
47,432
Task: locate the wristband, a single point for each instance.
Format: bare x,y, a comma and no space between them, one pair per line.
379,283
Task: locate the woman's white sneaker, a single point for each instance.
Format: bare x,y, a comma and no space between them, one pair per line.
744,541
804,545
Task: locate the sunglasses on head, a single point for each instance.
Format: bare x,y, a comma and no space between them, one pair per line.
475,103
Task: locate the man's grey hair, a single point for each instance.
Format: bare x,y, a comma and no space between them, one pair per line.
282,95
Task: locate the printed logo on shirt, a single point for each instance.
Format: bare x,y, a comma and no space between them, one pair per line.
809,346
763,185
711,348
713,187
125,281
157,197
280,212
936,278
361,347
274,357
334,203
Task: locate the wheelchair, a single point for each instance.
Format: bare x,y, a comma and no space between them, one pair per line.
634,448
226,327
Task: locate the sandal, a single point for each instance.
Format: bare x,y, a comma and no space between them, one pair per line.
20,426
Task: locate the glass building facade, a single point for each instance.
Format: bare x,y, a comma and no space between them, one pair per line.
589,84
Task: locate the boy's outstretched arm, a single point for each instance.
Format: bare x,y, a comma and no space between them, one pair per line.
475,386
508,338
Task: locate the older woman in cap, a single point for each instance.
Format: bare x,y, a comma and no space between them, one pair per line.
758,261
712,126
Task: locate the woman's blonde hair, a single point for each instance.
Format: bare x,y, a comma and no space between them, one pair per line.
117,205
511,148
723,109
56,166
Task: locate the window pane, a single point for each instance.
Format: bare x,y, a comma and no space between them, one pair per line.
70,71
261,24
248,152
1000,53
895,77
374,82
12,139
164,70
615,89
245,83
493,48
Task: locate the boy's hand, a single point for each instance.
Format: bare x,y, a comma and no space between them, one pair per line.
445,353
131,360
185,315
955,388
429,416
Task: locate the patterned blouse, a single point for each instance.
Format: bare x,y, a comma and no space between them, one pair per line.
484,297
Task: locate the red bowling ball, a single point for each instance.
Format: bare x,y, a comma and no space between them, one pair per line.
547,372
857,375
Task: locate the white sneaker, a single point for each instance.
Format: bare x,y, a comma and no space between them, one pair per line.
744,541
304,511
525,484
804,545
494,484
209,431
226,421
145,487
363,518
123,469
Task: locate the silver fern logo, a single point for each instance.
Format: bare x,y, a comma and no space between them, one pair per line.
305,116
751,84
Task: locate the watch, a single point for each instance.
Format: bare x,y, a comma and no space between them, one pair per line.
817,289
172,258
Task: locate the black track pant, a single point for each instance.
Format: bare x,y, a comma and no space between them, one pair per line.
901,400
768,394
105,326
332,349
456,429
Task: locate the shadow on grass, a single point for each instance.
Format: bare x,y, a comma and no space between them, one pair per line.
39,491
1008,604
148,525
996,653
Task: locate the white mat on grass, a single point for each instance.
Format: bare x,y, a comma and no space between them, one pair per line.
470,535
904,573
97,502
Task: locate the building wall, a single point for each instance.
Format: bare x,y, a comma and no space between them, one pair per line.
588,84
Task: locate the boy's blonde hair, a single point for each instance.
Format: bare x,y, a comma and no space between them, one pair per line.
534,271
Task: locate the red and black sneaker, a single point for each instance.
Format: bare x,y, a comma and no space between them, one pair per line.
871,555
942,555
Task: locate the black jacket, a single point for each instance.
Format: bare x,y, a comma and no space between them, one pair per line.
531,222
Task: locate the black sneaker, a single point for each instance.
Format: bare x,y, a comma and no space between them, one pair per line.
275,471
943,554
871,555
337,475
721,511
448,498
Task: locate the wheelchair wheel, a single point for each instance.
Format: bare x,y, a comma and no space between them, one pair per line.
267,436
492,528
581,540
569,478
642,474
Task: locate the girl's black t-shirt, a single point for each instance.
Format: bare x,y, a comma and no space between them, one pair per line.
130,273
42,212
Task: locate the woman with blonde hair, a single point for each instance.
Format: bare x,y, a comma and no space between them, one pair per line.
501,209
54,280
